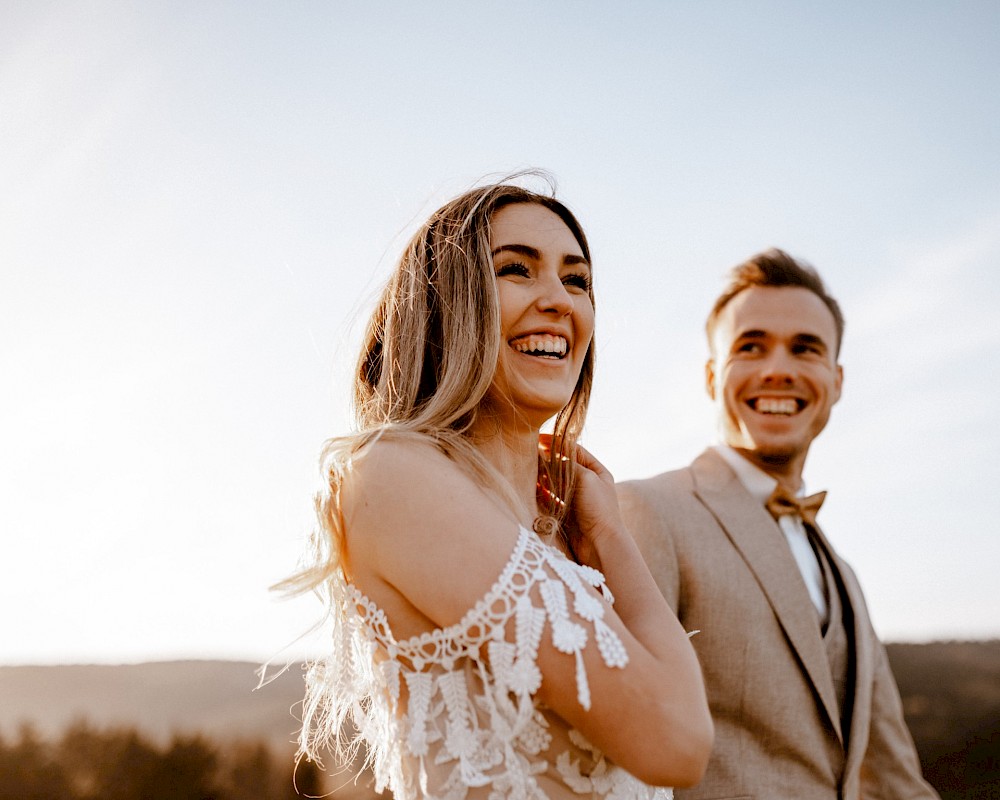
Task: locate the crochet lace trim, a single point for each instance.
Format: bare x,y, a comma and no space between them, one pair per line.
470,717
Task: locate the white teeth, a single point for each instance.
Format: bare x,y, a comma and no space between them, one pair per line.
538,343
776,405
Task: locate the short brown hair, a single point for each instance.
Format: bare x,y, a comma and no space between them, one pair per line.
775,267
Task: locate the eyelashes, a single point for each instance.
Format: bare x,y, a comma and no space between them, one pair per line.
515,268
578,280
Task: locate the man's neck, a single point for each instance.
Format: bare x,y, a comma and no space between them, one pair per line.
787,472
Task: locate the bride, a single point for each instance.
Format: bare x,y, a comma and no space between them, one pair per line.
496,632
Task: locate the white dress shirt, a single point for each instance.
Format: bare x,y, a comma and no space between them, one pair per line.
760,485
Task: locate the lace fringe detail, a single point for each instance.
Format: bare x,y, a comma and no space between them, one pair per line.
485,734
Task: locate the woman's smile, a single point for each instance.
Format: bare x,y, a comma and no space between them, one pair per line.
546,310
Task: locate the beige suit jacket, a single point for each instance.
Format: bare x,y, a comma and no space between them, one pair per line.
726,569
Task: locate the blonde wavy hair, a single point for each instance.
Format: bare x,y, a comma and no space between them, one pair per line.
429,357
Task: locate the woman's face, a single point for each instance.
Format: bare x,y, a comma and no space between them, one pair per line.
546,314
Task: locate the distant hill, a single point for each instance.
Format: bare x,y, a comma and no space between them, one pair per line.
217,698
951,698
950,691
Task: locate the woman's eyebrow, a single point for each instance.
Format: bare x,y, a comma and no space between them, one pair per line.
520,249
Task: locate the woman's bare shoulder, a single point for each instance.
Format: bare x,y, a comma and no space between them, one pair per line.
419,522
401,475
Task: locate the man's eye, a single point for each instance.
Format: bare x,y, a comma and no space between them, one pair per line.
749,347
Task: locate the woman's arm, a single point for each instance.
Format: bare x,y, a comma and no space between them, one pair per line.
425,542
673,736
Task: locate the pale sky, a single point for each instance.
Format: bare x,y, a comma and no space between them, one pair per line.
198,202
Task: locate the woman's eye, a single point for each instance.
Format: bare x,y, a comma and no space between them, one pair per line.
515,268
580,281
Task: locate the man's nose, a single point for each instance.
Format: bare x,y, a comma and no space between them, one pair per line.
778,367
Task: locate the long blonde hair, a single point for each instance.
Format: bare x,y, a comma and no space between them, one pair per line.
429,357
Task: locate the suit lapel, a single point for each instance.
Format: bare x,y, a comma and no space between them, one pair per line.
760,542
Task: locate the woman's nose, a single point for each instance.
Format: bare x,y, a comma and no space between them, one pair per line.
553,296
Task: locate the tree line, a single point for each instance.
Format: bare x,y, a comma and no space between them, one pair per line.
121,764
950,693
951,699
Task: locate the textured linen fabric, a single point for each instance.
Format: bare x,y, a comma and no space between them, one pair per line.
726,568
760,485
452,713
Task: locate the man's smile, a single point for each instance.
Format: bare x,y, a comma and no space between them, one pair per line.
782,406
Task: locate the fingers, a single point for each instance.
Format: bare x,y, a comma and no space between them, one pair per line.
584,457
587,459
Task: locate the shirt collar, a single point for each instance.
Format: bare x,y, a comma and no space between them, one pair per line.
754,479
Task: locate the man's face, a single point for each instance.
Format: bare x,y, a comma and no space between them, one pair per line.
774,375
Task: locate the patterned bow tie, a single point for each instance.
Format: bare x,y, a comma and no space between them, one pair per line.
782,502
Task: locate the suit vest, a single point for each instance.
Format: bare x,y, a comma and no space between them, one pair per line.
837,640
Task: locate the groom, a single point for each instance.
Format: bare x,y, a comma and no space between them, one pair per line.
804,704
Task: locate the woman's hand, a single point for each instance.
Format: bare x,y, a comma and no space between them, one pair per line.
594,517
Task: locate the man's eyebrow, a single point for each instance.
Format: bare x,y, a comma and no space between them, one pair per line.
810,338
754,333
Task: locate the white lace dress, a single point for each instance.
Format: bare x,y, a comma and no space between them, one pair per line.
452,713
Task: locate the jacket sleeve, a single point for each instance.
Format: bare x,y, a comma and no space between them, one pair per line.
891,769
640,504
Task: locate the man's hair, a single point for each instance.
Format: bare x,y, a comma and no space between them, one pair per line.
775,267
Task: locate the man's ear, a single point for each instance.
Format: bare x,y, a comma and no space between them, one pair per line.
710,378
838,384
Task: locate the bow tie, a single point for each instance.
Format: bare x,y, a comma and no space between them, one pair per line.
782,502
